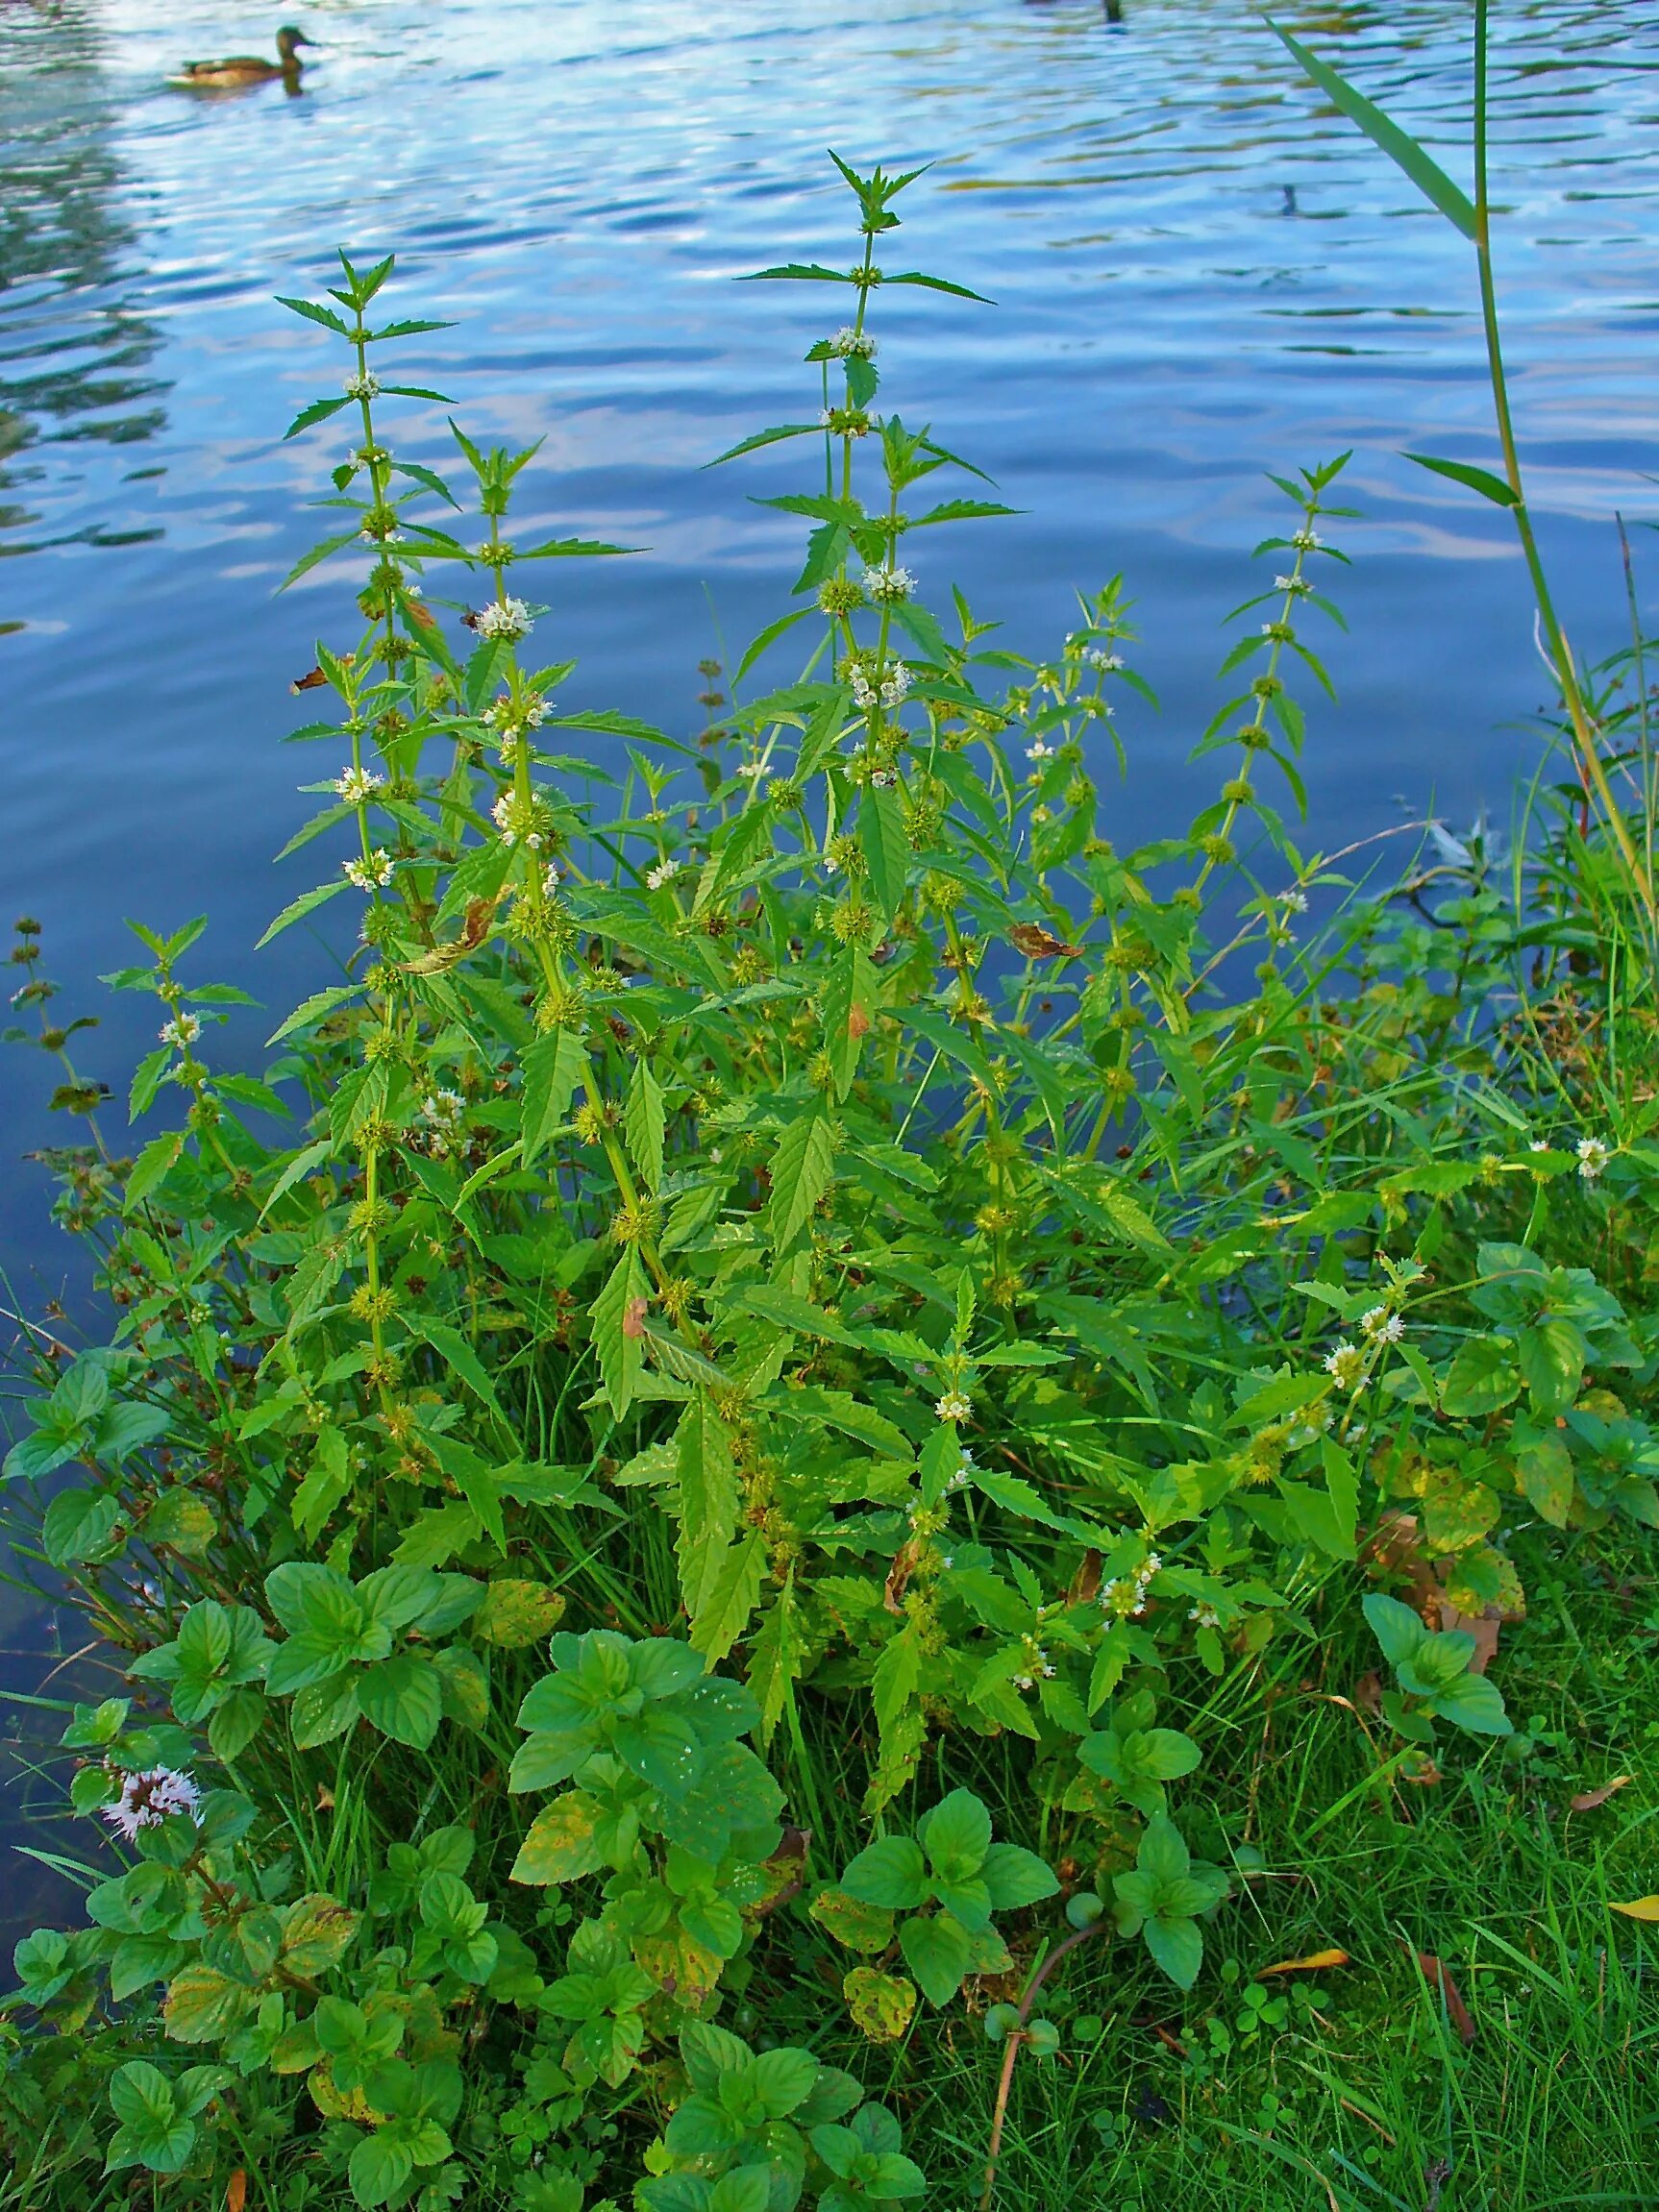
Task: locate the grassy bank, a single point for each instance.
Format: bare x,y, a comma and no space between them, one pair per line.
832,1495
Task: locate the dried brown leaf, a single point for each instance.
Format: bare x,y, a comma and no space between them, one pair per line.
1039,944
1456,2012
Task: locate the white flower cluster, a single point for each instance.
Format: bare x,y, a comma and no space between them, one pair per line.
1037,1666
1294,901
895,686
954,1406
507,618
662,873
1593,1158
1205,1615
443,1111
849,343
1125,1595
181,1032
520,820
1098,657
367,875
1291,583
148,1799
1308,540
1382,1327
363,387
1345,1364
887,585
354,784
1040,749
515,722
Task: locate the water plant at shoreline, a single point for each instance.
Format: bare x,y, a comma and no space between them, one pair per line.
816,1345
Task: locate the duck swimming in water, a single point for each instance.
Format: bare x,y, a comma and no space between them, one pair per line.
238,69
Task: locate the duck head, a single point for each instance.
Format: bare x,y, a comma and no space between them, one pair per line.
288,38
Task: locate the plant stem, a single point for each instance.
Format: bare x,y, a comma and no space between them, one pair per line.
1555,637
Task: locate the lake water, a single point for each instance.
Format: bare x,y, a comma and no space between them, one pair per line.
1200,274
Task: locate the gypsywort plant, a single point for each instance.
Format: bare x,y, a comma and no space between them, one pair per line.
860,1310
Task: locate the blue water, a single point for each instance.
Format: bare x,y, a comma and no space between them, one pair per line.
1200,273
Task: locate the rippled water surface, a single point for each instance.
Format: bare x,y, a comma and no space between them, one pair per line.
1199,273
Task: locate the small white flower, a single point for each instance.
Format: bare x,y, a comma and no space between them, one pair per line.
1294,901
1205,1615
354,784
896,685
148,1799
883,778
1539,1144
888,586
1593,1157
363,387
507,618
863,691
367,875
181,1031
443,1111
1124,1596
663,872
946,1560
1022,1682
1291,583
1382,1326
1345,1364
848,343
824,418
1098,657
753,770
1308,540
1040,749
552,879
520,820
954,1405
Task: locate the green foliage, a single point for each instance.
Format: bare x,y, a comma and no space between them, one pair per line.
950,1864
856,1267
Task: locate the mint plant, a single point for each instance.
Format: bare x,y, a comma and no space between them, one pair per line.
1433,1668
951,1866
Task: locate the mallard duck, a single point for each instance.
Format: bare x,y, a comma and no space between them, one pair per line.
248,68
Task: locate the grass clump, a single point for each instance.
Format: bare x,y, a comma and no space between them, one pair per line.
827,1524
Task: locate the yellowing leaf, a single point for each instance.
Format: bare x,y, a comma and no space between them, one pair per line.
315,1932
1639,1909
561,1843
882,2005
514,1613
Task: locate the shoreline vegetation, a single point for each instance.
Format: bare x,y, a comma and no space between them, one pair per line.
831,1497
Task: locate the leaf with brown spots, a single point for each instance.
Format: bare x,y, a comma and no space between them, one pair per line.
1039,944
